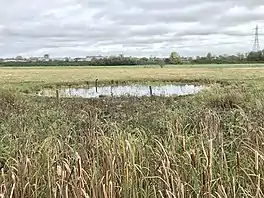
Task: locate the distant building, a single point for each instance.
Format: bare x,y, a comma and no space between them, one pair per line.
47,58
60,59
36,59
81,59
90,58
6,60
17,59
98,57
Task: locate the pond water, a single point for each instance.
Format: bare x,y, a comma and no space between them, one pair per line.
126,90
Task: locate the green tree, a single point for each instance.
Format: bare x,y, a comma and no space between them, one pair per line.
241,56
175,58
254,56
209,57
161,62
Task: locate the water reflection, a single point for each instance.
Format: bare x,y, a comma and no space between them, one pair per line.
127,90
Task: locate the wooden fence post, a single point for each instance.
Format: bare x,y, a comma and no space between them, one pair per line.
96,85
57,95
150,91
112,94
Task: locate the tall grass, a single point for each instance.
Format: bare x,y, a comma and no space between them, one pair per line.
209,145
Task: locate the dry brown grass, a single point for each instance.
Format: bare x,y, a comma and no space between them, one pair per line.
208,145
129,147
56,74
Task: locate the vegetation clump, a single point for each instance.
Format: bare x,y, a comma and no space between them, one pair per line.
207,145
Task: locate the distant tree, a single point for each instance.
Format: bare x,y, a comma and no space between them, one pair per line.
175,58
143,61
262,55
167,60
47,57
161,62
209,57
240,56
254,56
19,58
190,59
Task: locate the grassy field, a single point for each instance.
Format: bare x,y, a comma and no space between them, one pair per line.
204,145
38,77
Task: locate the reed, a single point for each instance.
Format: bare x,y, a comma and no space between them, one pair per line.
194,146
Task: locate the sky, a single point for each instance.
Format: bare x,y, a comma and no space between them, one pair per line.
131,27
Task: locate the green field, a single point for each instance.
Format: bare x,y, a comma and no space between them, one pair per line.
204,145
32,77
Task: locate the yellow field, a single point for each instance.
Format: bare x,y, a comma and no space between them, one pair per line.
57,75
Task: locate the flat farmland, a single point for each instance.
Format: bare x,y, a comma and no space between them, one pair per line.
82,74
208,144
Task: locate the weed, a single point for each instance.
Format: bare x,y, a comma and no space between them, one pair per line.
206,145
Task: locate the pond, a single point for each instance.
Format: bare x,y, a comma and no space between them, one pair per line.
136,90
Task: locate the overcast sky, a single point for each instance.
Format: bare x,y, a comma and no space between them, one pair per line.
131,27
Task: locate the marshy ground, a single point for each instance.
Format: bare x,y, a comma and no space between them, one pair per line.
204,145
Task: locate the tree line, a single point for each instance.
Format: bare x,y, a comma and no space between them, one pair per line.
174,59
240,58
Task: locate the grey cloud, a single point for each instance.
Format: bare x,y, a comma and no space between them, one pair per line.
205,31
171,13
137,27
165,4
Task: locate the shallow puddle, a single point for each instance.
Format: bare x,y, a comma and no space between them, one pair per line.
126,90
